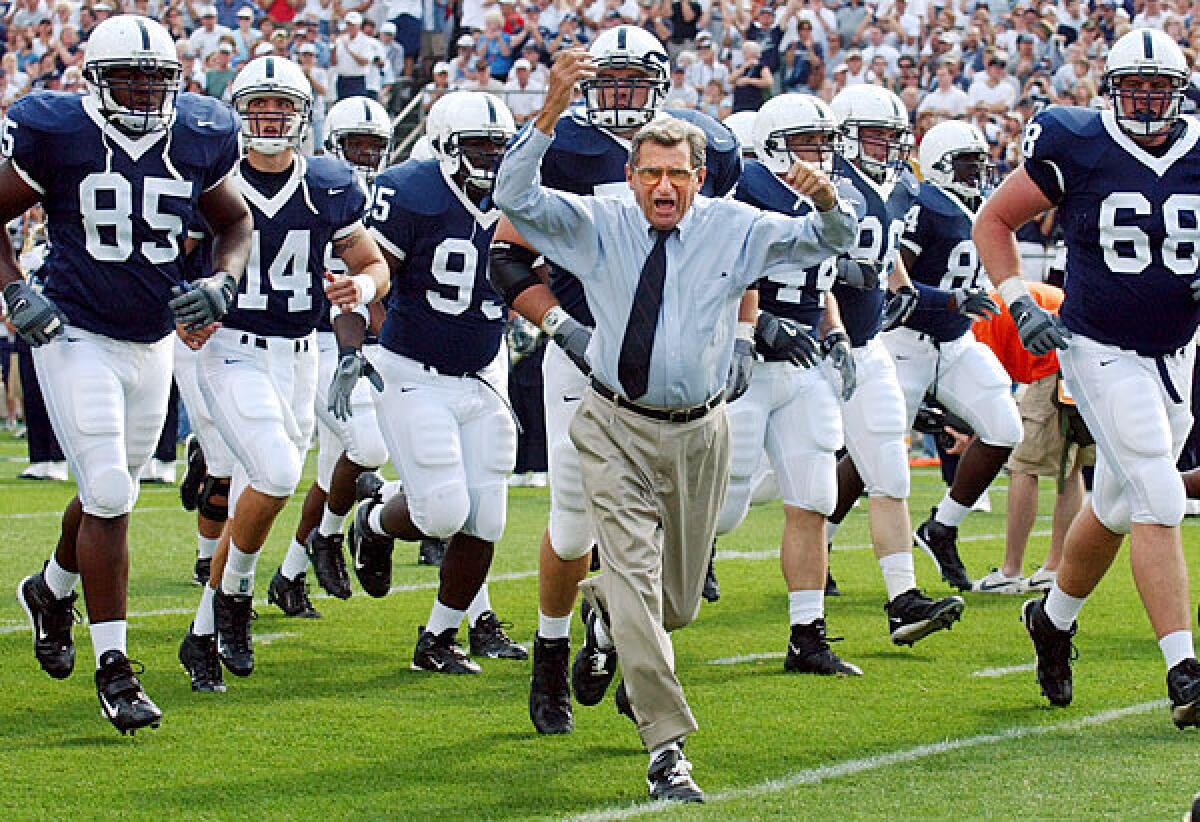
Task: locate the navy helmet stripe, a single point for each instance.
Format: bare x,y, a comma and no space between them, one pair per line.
270,68
491,110
366,111
1148,44
145,35
621,34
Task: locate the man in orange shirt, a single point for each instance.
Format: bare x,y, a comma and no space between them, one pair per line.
1039,453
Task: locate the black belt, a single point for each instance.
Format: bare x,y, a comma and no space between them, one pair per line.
298,345
663,414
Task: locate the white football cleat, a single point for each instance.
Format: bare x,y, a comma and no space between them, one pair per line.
1040,580
997,583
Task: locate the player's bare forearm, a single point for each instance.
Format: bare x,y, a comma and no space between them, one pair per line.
831,317
748,307
350,329
899,277
232,225
1017,201
363,258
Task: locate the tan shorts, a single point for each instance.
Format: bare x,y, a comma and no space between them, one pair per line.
1040,450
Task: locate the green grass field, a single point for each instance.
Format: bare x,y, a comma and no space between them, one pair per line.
333,724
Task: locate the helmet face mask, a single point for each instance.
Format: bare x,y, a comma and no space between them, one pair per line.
817,147
882,152
973,171
791,127
366,152
478,155
469,131
274,99
631,79
954,156
359,131
1144,77
132,72
877,136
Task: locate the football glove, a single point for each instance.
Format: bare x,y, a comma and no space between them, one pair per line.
859,274
203,302
1041,332
35,317
573,338
740,369
899,308
350,368
1195,286
781,337
974,303
837,349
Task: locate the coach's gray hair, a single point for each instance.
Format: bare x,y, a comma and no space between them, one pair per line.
670,131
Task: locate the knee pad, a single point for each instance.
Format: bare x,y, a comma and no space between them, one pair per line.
570,527
809,481
891,475
210,508
1111,507
1001,422
110,493
1160,488
368,448
488,512
439,511
281,472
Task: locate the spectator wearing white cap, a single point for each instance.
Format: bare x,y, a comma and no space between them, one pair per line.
439,86
523,93
207,37
680,94
993,89
245,36
394,65
406,17
707,69
464,51
857,71
219,72
352,55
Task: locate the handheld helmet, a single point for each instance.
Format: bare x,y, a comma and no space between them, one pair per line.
881,156
741,123
1145,53
954,156
359,131
270,132
786,117
626,102
469,131
132,71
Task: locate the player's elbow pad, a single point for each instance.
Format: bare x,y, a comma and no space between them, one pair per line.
511,269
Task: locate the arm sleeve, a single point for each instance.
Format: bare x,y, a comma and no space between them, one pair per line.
1043,150
352,207
791,244
225,158
398,232
22,146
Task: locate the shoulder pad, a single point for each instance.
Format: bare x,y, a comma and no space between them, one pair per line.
759,187
720,138
1074,120
574,137
934,199
419,186
204,115
51,112
908,181
327,171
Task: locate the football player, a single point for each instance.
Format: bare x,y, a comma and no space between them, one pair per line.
122,171
444,411
588,156
790,408
876,142
258,372
358,131
934,350
1125,181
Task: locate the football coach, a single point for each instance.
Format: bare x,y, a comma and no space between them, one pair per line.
663,273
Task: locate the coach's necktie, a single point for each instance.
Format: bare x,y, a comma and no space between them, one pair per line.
633,367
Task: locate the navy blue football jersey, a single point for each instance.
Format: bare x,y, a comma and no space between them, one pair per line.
117,207
587,160
938,230
1131,222
879,232
442,310
198,263
282,293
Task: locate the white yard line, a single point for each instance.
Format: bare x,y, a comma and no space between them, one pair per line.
267,639
738,660
1011,669
813,776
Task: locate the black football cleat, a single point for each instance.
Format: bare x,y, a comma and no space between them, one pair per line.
712,589
941,543
670,778
198,656
621,698
372,554
291,595
368,485
549,690
487,639
441,654
809,653
235,645
122,700
1183,687
201,571
193,478
1054,650
51,619
329,563
431,552
912,616
594,667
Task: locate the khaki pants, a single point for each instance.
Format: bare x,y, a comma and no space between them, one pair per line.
654,490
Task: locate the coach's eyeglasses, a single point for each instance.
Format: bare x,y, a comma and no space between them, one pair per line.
650,175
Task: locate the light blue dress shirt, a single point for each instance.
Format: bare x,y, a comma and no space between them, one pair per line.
719,248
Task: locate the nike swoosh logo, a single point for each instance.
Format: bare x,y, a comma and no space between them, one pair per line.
358,563
109,710
994,586
1107,362
898,357
567,398
437,663
335,191
232,362
404,389
205,122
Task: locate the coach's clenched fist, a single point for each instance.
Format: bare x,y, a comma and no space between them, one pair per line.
812,182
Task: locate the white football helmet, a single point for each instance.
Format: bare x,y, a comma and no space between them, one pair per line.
1146,53
788,115
131,69
359,117
273,77
421,149
741,123
954,156
469,131
869,106
626,102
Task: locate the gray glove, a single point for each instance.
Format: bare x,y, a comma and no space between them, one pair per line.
35,317
1195,286
974,303
786,338
899,307
740,370
573,338
860,274
350,367
203,302
1040,331
837,349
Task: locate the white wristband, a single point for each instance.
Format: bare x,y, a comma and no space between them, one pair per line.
553,318
1012,290
745,331
366,287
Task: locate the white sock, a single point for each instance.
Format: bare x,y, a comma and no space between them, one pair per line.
602,638
295,561
950,512
205,547
107,636
805,606
60,581
331,523
443,617
375,522
558,627
830,529
239,571
1176,647
480,605
1062,609
205,623
655,753
898,573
